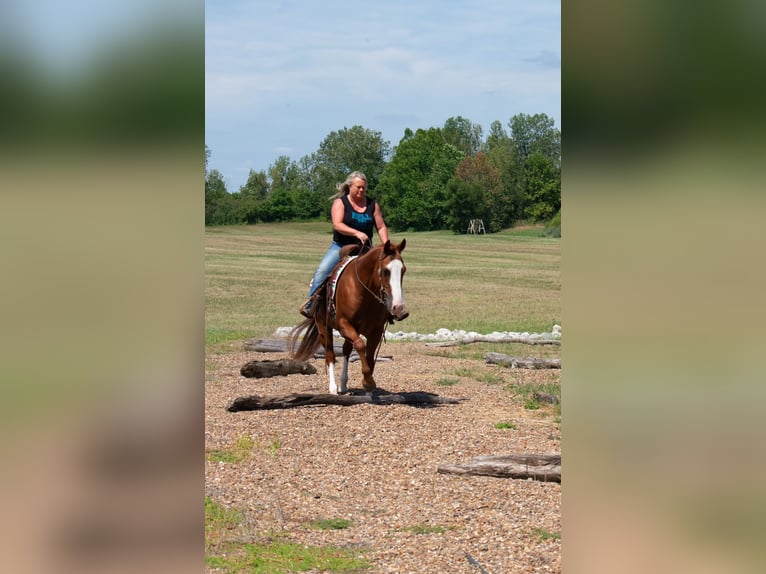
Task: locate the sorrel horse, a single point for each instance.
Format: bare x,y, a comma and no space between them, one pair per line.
367,293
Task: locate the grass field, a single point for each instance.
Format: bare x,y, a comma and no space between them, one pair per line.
257,276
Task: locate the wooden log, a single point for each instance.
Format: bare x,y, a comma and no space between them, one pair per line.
546,398
280,346
522,362
282,367
418,399
266,345
546,468
487,339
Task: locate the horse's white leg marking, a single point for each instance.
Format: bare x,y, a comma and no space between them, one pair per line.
397,305
331,374
344,376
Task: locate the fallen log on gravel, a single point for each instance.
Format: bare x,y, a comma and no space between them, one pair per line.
522,362
282,367
417,399
546,398
266,345
280,346
488,339
543,467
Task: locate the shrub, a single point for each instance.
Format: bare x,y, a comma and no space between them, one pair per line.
553,227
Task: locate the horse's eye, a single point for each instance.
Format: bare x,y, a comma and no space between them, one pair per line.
386,272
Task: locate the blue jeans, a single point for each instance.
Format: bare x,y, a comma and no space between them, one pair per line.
329,261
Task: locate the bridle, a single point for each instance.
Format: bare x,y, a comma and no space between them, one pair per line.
382,298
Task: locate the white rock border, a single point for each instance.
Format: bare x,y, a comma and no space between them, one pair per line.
456,335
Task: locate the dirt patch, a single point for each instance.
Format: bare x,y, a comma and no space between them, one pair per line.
376,466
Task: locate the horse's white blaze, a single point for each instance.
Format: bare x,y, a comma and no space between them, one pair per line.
331,373
395,267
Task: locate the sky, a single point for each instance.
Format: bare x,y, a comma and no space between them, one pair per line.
281,75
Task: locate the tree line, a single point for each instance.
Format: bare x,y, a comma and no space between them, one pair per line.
435,178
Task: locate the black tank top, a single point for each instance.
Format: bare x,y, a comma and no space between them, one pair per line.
364,222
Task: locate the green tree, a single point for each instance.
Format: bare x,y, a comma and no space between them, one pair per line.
497,136
308,169
279,207
465,201
284,174
306,204
257,185
543,188
491,205
463,134
253,196
215,186
553,227
501,156
283,180
535,134
412,188
344,151
221,207
537,148
313,198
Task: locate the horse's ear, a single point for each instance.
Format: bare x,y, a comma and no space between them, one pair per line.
387,246
402,244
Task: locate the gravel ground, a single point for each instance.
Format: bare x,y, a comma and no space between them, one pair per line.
377,465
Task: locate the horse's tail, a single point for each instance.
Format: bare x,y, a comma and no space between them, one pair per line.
308,329
309,343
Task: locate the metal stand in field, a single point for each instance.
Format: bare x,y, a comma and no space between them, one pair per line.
476,226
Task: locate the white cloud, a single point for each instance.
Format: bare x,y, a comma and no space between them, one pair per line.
325,66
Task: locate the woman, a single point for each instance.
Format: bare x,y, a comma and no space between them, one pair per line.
354,215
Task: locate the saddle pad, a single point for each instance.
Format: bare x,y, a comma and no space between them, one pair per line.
337,273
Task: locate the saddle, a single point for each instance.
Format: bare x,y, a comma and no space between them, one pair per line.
348,250
347,254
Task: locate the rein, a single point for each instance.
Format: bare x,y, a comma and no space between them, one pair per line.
378,299
363,284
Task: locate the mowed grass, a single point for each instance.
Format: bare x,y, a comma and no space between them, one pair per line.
257,276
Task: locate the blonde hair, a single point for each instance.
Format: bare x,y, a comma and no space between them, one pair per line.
344,187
